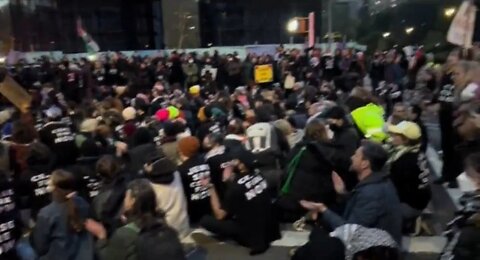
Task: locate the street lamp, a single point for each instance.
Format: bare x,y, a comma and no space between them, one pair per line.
292,25
449,12
386,34
409,30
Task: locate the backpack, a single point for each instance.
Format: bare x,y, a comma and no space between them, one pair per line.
262,138
157,242
291,169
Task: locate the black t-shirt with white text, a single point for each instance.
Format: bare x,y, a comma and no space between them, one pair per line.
32,186
192,172
249,204
10,230
218,159
60,139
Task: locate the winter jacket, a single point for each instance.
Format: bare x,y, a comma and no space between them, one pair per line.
171,200
373,203
139,155
128,241
52,238
171,150
464,231
347,138
108,204
311,179
410,176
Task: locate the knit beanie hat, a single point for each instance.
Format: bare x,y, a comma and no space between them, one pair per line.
173,112
189,146
129,113
162,115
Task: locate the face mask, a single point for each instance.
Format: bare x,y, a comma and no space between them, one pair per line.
465,183
334,127
190,61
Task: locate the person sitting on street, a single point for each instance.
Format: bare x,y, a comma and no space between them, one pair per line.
374,202
246,214
409,170
144,236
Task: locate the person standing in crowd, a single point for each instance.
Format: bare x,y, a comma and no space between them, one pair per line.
446,98
377,71
60,232
192,170
246,213
464,231
374,203
409,170
59,138
146,234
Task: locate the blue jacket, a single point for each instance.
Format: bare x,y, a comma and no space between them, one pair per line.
52,238
373,203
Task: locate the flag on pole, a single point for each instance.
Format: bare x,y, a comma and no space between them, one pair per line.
463,25
311,29
90,45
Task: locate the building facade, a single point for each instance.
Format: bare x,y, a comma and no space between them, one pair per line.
47,25
225,22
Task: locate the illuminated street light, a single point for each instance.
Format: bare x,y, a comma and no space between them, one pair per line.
386,34
449,12
409,30
292,25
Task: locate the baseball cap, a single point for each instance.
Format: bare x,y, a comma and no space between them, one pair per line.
88,125
53,112
194,90
406,128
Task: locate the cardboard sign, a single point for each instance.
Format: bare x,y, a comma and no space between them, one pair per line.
19,97
263,73
463,24
212,71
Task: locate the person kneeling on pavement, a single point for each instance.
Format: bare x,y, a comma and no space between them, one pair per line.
246,214
409,171
374,201
145,235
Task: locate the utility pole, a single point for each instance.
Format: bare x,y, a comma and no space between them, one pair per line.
330,34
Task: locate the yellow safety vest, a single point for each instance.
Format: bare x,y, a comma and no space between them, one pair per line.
369,120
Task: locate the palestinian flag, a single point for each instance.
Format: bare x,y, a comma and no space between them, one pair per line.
90,45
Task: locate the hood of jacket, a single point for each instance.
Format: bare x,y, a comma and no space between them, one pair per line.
162,172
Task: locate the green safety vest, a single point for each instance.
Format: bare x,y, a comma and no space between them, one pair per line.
369,120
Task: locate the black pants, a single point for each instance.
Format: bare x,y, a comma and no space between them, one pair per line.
451,161
225,229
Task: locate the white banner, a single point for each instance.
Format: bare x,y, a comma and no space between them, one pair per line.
462,27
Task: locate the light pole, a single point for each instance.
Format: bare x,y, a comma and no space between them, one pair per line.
449,12
330,36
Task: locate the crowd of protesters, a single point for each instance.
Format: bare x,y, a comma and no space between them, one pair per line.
123,157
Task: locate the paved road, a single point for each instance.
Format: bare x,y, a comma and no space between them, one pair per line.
418,248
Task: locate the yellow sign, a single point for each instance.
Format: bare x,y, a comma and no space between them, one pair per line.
263,73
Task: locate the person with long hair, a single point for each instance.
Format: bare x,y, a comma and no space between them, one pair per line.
145,235
59,232
308,173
